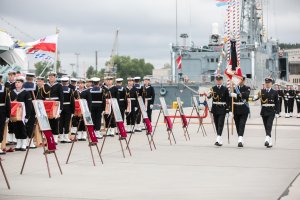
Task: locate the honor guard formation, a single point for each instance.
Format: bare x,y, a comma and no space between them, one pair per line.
66,91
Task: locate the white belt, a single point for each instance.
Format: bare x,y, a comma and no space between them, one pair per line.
96,101
268,105
238,103
2,104
148,98
219,103
121,99
290,97
52,98
67,103
132,98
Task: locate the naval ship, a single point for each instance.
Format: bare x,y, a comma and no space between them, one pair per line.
259,57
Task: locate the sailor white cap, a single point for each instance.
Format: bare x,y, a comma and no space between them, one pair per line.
129,79
137,78
11,72
147,78
30,75
52,74
64,79
82,80
95,79
20,78
74,79
119,80
108,78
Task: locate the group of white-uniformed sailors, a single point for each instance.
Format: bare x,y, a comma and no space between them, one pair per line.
66,91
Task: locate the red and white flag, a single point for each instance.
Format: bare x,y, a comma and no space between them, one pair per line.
47,43
178,61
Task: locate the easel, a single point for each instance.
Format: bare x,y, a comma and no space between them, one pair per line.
116,110
183,119
91,143
146,122
163,109
46,151
195,108
4,174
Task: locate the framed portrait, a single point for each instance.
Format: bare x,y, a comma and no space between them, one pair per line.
180,108
142,107
86,114
41,114
116,110
164,106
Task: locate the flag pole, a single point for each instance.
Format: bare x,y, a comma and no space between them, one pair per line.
56,53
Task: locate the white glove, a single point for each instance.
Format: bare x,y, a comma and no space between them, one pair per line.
135,108
26,120
230,114
277,115
234,95
209,93
60,111
151,106
255,97
7,120
72,116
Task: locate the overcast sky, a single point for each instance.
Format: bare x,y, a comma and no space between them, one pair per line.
147,27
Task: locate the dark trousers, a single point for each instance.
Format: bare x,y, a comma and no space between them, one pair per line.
65,120
268,123
20,130
122,110
280,104
286,106
298,105
240,123
10,127
291,105
130,118
219,123
54,125
138,117
76,121
149,113
2,123
96,117
30,124
109,120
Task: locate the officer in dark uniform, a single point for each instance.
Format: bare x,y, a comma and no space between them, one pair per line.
82,93
280,96
220,106
67,112
241,109
10,85
137,85
148,95
53,91
21,95
111,93
297,97
98,105
131,95
4,110
269,108
73,84
31,87
121,96
289,96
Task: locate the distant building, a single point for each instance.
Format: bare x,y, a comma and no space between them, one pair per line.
161,75
294,65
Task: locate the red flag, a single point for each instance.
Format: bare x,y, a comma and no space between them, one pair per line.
47,43
178,61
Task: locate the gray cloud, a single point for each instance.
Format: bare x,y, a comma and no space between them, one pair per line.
146,27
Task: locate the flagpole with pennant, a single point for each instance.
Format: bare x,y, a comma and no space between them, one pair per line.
56,52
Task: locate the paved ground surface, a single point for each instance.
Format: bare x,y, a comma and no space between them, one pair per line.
194,169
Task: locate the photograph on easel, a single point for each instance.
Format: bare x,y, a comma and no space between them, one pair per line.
116,110
85,112
142,107
41,114
164,106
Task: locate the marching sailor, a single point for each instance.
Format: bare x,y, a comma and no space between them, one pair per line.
10,85
289,95
131,96
4,110
67,111
21,95
31,87
82,93
280,95
137,85
121,96
220,106
148,95
73,84
241,109
269,108
297,97
98,104
53,91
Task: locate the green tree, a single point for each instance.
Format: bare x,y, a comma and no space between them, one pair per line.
41,67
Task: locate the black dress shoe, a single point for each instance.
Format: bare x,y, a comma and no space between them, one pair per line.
266,143
17,149
240,144
269,146
22,149
218,144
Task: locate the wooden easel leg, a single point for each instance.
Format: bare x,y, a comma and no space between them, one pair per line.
99,153
122,148
191,115
92,154
4,174
58,163
151,137
156,123
45,154
130,136
102,145
149,142
127,143
169,137
27,151
187,132
171,133
73,141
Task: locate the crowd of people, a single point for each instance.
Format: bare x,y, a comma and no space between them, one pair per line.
66,91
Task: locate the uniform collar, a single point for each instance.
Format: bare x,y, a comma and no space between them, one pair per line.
15,90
